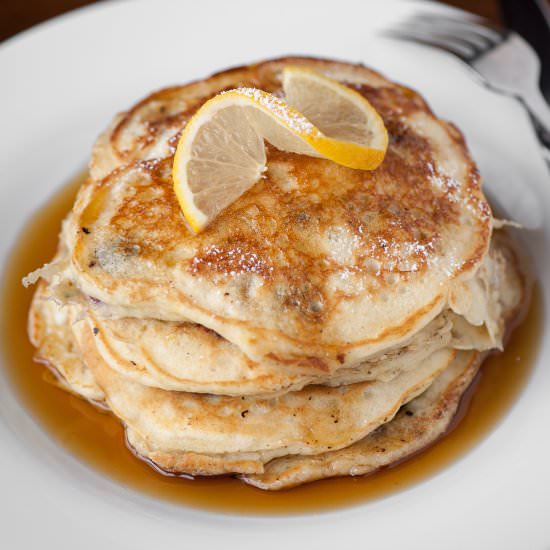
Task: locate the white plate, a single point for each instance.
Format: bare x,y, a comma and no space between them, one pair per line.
61,83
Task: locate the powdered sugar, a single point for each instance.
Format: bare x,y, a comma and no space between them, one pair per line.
282,110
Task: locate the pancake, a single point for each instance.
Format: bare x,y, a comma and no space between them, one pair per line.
317,265
417,425
189,463
188,357
313,420
50,333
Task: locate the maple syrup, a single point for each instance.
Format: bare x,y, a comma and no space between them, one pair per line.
97,439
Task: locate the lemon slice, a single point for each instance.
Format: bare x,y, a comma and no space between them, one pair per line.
221,152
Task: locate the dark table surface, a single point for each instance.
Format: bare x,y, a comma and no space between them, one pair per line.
18,15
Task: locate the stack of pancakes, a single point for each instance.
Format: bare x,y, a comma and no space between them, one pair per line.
326,323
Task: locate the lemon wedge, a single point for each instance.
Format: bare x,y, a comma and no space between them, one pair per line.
221,152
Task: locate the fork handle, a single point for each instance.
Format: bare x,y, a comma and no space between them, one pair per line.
540,114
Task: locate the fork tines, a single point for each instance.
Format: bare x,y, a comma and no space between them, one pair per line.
465,37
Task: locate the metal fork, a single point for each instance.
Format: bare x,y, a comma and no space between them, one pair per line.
505,62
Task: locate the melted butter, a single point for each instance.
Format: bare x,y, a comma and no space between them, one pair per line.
97,439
